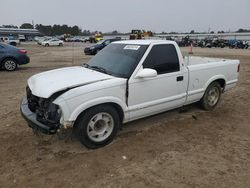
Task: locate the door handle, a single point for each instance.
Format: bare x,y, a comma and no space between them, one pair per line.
179,78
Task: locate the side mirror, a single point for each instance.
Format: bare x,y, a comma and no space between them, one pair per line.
146,73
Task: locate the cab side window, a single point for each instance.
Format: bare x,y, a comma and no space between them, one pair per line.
162,58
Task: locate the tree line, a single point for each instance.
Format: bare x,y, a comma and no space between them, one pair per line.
58,29
75,30
53,30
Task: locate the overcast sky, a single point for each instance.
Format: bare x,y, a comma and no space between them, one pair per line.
124,15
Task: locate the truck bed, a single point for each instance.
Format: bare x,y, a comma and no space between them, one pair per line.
203,70
195,60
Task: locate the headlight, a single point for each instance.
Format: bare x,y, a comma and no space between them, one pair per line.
53,112
48,112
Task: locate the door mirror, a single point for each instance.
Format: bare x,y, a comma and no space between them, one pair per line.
146,73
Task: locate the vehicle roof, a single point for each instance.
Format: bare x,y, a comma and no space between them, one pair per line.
144,42
7,45
54,38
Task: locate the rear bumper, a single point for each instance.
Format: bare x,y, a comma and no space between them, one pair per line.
30,117
24,59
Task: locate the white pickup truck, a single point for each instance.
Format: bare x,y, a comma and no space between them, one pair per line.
126,81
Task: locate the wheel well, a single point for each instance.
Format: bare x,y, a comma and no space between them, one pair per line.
1,62
222,83
117,107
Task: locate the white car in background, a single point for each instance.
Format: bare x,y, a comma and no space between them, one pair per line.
52,42
10,40
42,39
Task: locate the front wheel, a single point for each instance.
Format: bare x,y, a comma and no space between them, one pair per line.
60,44
212,96
97,126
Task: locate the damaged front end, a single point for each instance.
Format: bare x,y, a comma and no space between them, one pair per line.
40,113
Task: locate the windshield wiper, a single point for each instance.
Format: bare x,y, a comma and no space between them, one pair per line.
100,69
86,65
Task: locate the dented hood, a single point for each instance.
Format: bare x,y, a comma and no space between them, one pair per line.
47,83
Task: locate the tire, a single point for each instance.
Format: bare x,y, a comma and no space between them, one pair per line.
60,44
211,97
46,45
97,126
9,64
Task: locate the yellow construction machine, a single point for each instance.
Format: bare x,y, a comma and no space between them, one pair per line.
140,34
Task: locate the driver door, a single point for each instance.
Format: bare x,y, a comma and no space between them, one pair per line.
167,90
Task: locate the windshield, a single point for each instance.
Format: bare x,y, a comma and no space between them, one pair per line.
118,59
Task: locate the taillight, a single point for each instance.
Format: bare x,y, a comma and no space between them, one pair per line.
238,70
23,51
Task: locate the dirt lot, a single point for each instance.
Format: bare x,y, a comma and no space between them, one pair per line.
190,148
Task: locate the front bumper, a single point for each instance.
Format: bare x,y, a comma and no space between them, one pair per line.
30,117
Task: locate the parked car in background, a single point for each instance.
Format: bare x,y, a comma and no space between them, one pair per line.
77,39
42,39
10,40
52,42
238,44
38,38
21,38
11,57
92,50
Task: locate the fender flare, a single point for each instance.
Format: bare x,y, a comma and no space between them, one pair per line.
214,78
7,57
86,105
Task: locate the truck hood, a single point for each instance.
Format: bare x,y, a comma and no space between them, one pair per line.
47,83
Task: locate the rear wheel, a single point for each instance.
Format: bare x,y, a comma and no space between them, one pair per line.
97,126
60,44
9,64
47,45
212,96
